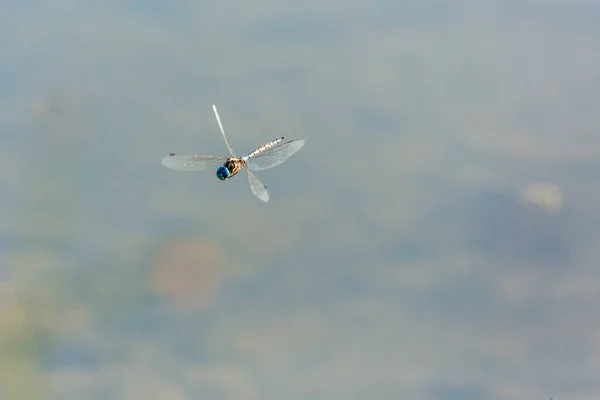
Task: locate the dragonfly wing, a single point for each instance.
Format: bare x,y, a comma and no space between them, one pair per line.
274,156
223,131
258,188
191,162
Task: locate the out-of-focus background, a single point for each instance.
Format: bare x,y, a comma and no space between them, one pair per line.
437,237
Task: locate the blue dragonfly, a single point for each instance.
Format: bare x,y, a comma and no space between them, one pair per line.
266,156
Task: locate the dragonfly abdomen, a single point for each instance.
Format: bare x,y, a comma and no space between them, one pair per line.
265,147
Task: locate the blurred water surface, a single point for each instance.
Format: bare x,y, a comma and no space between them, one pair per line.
435,239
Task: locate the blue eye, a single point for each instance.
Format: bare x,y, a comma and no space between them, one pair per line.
222,173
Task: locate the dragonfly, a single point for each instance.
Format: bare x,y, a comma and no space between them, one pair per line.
266,156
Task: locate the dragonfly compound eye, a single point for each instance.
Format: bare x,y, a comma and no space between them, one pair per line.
222,173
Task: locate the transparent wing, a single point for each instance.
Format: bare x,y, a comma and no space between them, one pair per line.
272,157
191,162
222,130
258,188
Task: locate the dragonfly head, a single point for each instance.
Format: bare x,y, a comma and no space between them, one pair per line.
222,173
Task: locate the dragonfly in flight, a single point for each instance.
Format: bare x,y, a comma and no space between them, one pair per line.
266,156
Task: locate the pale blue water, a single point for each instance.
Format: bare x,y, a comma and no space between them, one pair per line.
396,258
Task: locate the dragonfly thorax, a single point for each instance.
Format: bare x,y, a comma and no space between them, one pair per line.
230,167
